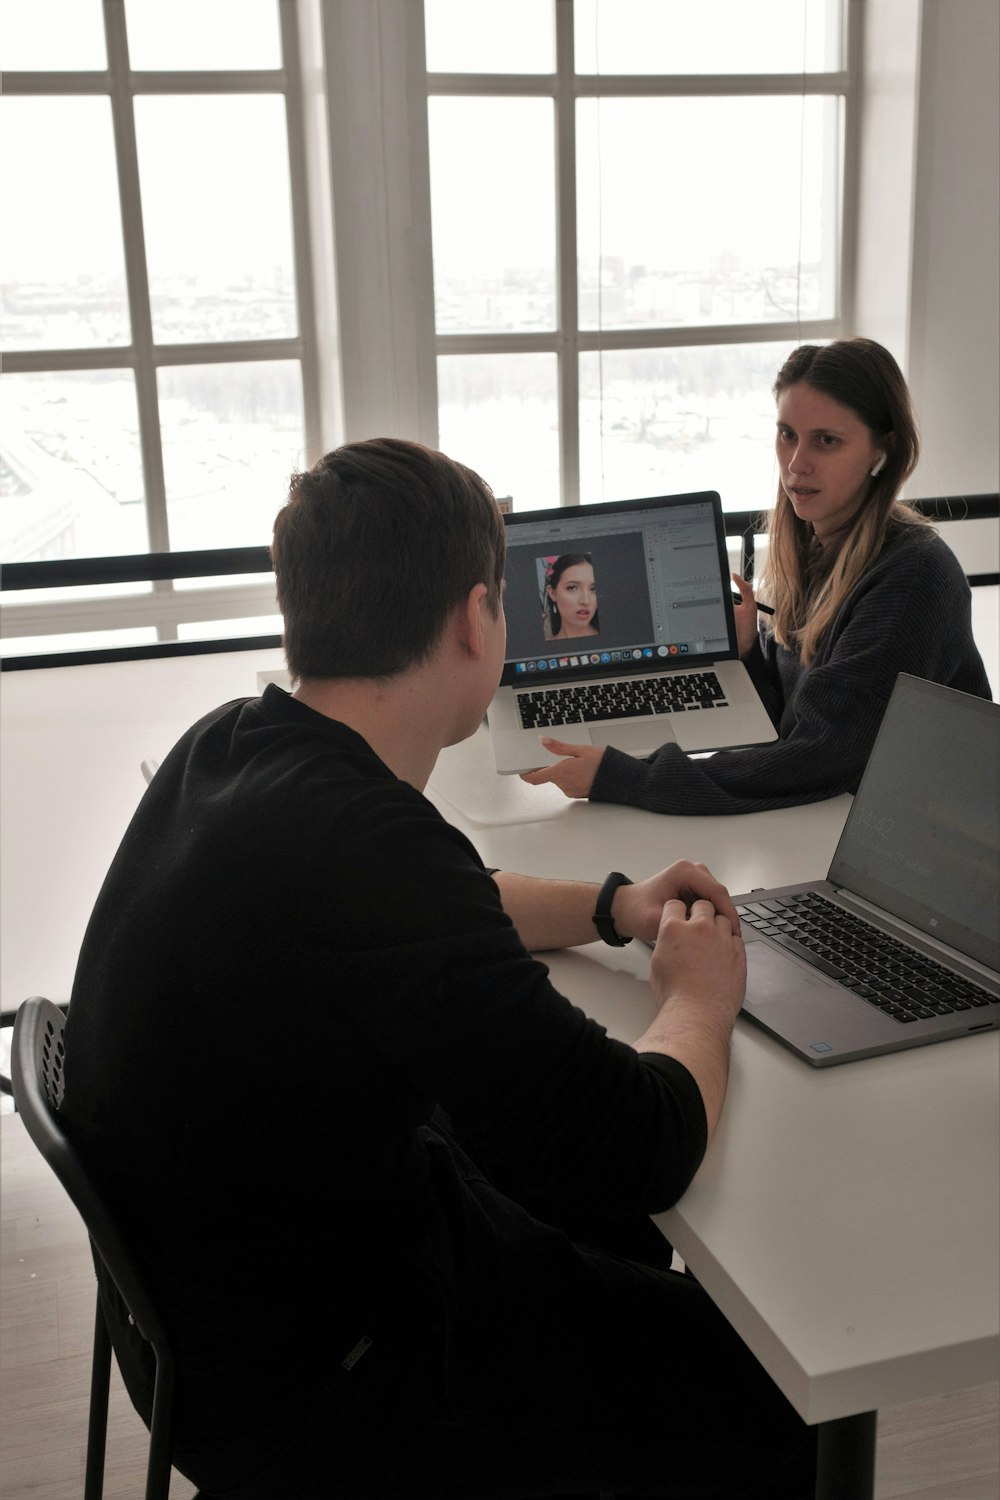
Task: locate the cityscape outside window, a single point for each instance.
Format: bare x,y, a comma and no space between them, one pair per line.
705,218
606,331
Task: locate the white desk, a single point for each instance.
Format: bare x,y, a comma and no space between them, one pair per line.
880,1282
72,740
846,1221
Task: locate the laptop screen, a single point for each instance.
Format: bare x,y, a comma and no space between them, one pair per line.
621,587
922,836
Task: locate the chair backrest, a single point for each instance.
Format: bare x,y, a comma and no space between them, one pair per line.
37,1055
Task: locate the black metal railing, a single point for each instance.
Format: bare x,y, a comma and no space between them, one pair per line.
145,567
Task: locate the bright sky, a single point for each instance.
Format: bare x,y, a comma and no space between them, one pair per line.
748,179
635,36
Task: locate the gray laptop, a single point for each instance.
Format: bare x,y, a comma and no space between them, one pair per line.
647,653
900,945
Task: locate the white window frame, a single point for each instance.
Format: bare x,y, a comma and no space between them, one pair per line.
390,345
142,355
356,89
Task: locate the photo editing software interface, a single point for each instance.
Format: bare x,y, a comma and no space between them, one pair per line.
614,592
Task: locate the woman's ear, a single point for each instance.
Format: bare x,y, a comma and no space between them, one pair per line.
888,441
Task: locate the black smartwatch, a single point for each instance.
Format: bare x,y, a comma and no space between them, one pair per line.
602,919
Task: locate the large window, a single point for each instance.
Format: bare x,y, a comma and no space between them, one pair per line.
569,241
638,208
159,383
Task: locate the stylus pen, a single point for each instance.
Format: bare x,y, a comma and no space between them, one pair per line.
765,609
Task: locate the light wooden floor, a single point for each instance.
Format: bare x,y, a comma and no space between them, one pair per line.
947,1448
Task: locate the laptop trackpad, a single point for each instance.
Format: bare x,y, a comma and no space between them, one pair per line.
776,979
634,739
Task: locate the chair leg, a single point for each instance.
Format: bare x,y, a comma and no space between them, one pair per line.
160,1433
97,1428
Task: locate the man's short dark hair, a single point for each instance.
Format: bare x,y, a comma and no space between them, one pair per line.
374,548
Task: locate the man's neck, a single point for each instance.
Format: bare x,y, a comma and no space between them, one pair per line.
389,714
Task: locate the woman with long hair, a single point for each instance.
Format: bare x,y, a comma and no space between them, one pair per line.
570,608
861,589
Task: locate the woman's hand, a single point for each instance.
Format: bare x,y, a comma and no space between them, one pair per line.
746,615
575,775
637,909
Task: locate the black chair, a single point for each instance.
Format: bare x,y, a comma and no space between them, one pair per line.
37,1074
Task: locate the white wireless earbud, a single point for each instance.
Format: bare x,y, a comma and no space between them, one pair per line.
880,465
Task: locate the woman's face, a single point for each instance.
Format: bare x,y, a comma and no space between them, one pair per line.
825,454
575,597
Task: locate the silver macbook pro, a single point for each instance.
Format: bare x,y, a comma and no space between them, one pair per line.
900,944
620,631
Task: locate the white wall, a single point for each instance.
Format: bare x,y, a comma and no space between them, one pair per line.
955,313
886,183
374,73
929,225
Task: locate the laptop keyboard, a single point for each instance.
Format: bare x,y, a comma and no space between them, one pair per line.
901,982
674,693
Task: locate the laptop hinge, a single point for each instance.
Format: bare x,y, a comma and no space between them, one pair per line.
924,942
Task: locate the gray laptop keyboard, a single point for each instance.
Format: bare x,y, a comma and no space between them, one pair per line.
674,693
901,982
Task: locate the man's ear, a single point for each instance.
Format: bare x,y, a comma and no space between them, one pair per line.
469,621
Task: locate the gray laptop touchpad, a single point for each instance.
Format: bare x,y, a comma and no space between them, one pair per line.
775,979
635,739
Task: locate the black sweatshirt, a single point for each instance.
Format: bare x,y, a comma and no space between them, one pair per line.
299,1002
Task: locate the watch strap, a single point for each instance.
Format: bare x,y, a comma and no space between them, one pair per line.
602,919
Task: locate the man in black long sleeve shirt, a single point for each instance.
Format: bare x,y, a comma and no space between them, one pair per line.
371,1157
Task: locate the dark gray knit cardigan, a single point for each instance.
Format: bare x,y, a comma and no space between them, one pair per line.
909,613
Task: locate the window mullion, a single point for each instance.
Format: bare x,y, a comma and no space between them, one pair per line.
376,103
708,85
566,252
36,84
136,276
301,244
846,301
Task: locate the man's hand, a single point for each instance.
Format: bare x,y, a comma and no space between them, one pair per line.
698,976
559,913
575,775
699,958
637,909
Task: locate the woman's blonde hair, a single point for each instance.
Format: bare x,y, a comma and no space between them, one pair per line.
861,375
